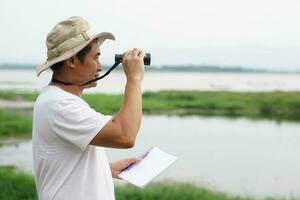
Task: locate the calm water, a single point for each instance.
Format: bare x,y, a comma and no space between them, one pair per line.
238,156
154,81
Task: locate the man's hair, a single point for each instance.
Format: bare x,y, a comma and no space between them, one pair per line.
81,56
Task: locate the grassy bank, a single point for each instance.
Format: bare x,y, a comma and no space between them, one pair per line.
16,185
18,96
14,123
228,103
274,105
172,191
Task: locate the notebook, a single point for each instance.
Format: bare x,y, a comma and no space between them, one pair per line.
153,162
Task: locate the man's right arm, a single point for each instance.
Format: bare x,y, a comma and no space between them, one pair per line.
121,131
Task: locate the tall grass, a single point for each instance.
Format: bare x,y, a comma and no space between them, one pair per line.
275,105
172,191
106,104
13,123
279,105
231,103
228,102
18,96
16,185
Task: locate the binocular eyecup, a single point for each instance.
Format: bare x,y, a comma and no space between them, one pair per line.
147,58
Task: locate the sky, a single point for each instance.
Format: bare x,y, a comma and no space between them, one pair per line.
260,34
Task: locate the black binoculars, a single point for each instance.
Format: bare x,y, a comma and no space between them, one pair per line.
118,60
147,58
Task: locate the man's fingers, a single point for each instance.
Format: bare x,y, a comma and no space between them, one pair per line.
126,54
141,54
136,52
133,160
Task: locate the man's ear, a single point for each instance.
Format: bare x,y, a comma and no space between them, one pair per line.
71,62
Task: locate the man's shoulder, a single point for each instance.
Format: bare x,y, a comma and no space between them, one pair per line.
52,96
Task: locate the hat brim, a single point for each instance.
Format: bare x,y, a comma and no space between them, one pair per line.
72,52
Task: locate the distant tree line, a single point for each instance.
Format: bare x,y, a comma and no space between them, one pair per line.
172,68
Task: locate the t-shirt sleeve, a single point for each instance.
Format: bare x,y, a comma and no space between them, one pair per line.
75,122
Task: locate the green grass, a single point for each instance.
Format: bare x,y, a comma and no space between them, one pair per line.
220,103
229,103
18,96
14,123
277,105
15,185
171,191
273,105
106,104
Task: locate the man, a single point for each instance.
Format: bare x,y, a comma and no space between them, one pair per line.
68,135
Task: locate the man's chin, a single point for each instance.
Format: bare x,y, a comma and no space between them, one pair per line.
94,84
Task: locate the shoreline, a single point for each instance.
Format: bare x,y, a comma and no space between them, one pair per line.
5,104
16,107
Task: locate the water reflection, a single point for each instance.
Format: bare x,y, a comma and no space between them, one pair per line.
235,155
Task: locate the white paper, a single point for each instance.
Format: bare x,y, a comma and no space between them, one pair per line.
155,162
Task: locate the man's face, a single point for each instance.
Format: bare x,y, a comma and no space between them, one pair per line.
90,67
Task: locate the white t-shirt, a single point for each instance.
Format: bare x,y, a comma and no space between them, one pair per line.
65,165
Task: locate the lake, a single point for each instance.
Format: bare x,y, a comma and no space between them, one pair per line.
235,155
155,81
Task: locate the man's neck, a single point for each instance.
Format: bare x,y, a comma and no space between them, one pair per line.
73,89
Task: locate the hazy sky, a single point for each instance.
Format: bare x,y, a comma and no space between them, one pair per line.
253,33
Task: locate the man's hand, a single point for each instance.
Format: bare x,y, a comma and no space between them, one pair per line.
133,64
117,167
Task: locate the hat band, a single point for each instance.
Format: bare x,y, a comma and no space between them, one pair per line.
69,44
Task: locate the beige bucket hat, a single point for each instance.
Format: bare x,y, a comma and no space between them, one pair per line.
67,38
